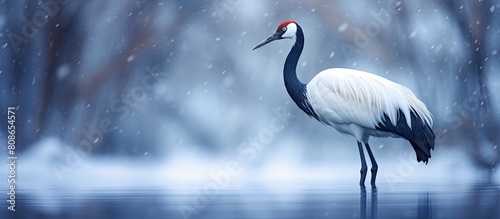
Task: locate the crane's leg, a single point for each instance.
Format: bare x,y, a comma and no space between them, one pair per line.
363,165
374,164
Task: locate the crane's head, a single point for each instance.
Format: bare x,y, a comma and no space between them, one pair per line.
286,30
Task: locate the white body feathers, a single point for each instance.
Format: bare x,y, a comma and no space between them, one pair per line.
354,102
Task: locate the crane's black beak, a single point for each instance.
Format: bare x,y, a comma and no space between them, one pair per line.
276,36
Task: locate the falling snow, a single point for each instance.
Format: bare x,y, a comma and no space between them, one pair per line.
130,58
343,27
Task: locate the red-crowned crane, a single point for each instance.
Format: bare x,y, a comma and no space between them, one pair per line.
357,103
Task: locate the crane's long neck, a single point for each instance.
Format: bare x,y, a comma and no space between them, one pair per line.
296,89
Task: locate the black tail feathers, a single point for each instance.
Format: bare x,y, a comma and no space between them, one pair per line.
420,135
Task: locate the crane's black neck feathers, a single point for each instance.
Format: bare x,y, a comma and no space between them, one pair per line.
296,89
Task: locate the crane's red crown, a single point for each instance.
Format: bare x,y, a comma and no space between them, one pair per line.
283,24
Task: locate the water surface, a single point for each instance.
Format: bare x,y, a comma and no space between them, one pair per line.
408,201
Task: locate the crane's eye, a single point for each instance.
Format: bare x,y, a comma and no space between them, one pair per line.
283,29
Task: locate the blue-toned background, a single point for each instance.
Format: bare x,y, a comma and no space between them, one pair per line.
160,109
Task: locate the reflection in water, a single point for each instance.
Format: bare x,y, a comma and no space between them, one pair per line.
480,201
362,203
425,206
374,211
374,203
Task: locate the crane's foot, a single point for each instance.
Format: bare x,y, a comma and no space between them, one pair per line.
362,190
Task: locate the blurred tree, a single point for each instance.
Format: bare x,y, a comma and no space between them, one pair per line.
477,119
